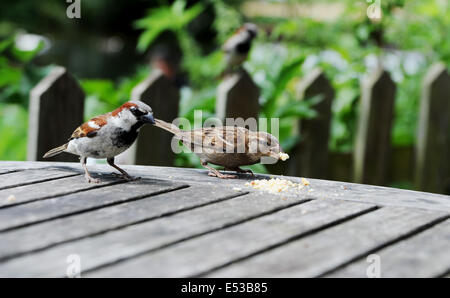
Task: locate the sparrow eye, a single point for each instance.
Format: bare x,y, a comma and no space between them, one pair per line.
137,112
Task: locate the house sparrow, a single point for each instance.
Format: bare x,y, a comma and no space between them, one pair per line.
227,146
107,135
237,47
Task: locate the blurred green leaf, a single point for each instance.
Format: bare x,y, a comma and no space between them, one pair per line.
297,109
6,43
287,73
174,18
13,132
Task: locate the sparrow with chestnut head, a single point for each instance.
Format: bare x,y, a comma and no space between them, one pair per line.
107,135
237,47
227,146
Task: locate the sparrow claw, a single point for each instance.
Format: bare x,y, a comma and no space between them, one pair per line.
90,179
126,177
246,171
221,176
129,178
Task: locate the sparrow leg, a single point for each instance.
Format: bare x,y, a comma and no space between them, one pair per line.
245,171
124,174
215,173
88,176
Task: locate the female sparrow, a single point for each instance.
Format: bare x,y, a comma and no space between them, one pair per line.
237,47
107,135
227,146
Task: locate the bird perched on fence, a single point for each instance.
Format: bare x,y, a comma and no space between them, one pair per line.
107,135
227,146
237,47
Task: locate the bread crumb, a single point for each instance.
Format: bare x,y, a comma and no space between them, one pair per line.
275,185
305,182
284,156
11,198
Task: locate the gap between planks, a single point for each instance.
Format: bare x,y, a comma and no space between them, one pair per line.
196,236
78,190
139,197
274,206
291,239
36,181
320,254
2,172
261,233
388,244
165,214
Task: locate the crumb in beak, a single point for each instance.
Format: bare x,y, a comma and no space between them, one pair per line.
284,156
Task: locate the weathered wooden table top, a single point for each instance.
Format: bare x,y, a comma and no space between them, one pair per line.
178,222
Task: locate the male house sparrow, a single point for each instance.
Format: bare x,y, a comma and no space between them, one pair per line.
107,135
237,47
227,146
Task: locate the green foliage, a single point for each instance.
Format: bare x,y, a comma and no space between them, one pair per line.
173,18
13,131
227,20
18,75
286,49
276,69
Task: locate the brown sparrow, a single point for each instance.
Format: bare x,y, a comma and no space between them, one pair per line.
237,47
107,135
227,146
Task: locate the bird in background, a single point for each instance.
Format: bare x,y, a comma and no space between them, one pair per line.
107,135
227,146
237,47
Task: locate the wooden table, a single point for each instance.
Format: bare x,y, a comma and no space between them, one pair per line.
177,222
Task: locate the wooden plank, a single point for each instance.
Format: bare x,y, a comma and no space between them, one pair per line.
4,171
49,189
39,211
124,243
14,166
21,178
153,146
382,196
319,253
199,255
56,110
321,189
81,225
373,139
423,255
310,158
433,138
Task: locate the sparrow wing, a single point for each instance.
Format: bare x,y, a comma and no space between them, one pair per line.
219,139
90,128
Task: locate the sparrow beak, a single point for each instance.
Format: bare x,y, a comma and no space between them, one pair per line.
274,155
147,118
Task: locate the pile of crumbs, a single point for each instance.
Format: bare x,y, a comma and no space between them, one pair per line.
277,185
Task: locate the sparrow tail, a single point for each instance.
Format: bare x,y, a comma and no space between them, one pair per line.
56,151
167,126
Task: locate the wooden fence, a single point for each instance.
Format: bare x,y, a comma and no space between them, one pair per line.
56,108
